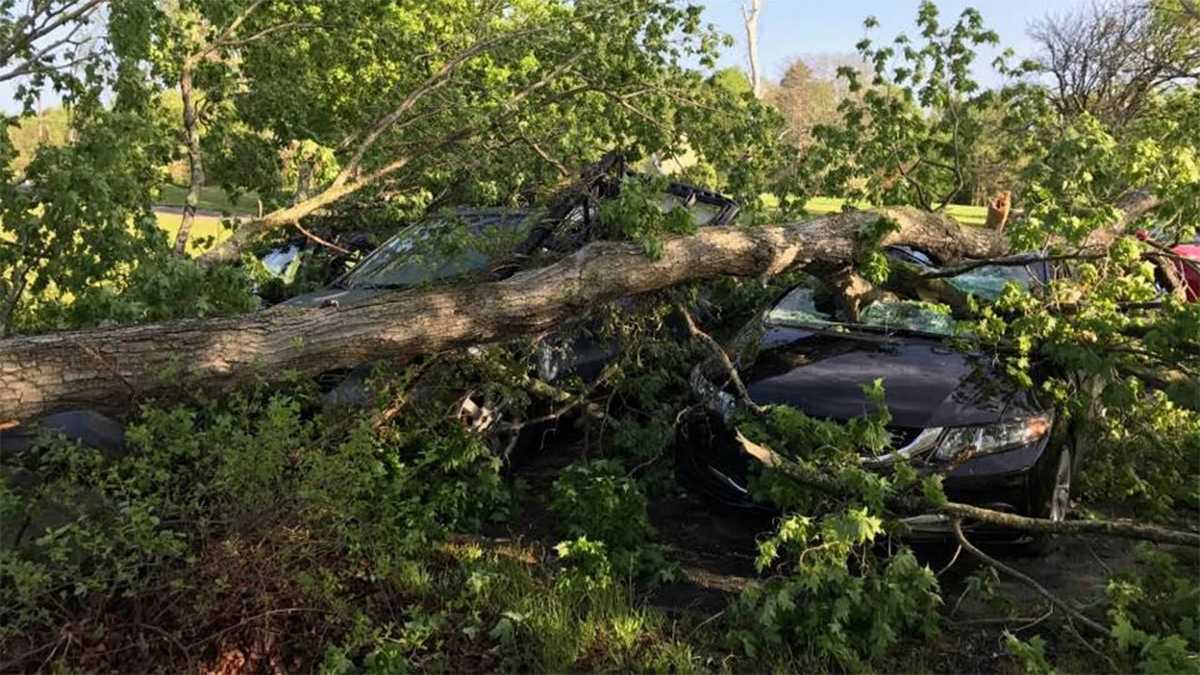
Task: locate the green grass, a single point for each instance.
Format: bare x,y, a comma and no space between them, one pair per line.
963,213
212,198
967,215
202,228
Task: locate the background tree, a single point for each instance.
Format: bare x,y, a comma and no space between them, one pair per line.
806,99
66,208
750,14
905,137
469,94
1108,58
43,42
196,47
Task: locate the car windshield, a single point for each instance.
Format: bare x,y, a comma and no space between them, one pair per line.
703,213
445,247
455,244
812,303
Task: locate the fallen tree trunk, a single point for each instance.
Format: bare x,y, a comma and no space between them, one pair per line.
109,369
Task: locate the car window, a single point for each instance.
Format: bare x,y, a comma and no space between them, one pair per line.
926,317
811,304
703,213
988,281
811,301
910,255
800,305
443,248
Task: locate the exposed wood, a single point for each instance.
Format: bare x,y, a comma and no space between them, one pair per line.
106,369
998,210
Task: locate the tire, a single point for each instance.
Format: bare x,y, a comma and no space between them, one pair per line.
1057,506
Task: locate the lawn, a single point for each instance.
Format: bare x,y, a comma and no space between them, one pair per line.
212,198
204,226
967,215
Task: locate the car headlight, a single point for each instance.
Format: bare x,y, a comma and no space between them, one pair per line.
991,438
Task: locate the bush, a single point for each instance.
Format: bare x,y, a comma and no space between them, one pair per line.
596,503
205,496
1156,611
837,601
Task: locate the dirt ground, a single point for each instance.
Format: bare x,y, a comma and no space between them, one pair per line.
715,549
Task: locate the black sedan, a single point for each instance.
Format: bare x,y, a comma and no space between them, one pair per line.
946,404
447,246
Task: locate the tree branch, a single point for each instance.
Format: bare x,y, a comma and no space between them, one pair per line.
1029,581
1124,529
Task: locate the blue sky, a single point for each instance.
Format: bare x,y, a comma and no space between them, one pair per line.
790,28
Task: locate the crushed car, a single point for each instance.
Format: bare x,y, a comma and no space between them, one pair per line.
953,411
450,245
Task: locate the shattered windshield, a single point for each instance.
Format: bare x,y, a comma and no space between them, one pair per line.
987,282
442,248
812,303
703,213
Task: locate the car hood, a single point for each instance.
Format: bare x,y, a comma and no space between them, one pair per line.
327,297
926,382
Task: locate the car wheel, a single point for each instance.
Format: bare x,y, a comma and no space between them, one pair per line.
1057,506
1060,494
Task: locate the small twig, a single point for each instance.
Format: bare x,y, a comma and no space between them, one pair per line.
252,619
575,402
1029,581
707,621
1087,645
9,666
172,639
1019,260
995,620
1106,568
1036,621
950,564
957,603
401,399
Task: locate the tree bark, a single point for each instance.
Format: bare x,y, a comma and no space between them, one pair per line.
191,136
110,369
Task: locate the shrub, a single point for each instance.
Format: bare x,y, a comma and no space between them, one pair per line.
1155,611
837,601
597,503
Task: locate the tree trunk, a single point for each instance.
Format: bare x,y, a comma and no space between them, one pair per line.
750,15
191,133
108,369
